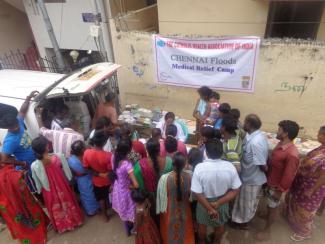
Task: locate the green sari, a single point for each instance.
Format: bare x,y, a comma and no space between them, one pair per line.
141,170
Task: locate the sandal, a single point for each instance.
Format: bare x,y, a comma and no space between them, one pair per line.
298,238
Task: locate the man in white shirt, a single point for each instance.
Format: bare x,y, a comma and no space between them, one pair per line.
215,183
61,112
253,168
104,124
168,120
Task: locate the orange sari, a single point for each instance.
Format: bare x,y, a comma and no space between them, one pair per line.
25,219
176,224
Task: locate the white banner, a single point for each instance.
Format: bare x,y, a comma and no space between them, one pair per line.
221,63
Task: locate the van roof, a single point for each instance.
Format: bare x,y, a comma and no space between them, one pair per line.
17,84
20,83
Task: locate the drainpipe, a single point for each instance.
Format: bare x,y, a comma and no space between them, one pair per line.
50,31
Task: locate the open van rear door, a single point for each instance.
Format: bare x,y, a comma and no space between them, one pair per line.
84,80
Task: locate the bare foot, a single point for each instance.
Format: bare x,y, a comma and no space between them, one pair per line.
244,226
107,217
237,226
262,215
262,236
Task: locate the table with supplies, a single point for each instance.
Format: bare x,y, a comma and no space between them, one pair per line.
144,120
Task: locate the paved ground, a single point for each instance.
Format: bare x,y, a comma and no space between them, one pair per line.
96,231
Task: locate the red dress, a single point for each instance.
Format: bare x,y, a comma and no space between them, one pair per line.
60,201
147,231
138,147
25,219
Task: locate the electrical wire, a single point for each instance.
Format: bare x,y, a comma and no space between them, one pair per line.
61,23
83,44
98,49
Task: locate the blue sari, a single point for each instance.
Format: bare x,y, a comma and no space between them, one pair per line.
85,186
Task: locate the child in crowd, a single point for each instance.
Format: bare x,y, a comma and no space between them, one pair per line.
235,113
202,108
232,142
124,181
208,133
195,156
224,110
104,124
214,104
146,229
83,178
156,134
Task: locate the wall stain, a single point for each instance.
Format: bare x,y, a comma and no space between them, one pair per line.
137,71
132,49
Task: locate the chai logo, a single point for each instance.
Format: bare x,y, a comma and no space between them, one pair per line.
161,43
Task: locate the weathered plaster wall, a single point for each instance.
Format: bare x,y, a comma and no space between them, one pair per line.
15,31
321,28
211,17
122,6
281,64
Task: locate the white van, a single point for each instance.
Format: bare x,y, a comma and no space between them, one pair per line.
81,91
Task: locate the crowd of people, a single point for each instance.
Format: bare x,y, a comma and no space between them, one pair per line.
162,192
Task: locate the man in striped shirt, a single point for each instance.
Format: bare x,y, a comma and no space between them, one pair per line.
62,139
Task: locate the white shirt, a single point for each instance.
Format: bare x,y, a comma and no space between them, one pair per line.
55,124
108,146
180,134
214,178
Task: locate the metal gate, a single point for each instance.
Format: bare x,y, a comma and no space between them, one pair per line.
28,61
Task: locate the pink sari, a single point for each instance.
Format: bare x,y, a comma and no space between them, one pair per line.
300,209
60,201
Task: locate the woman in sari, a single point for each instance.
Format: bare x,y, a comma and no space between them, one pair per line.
24,217
148,170
173,205
307,192
51,174
138,150
83,178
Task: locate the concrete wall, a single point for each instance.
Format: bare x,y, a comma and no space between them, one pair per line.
70,30
144,19
297,64
321,29
211,17
123,6
15,32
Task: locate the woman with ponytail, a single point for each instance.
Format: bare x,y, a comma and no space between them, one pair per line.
51,174
124,181
171,145
148,171
173,204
